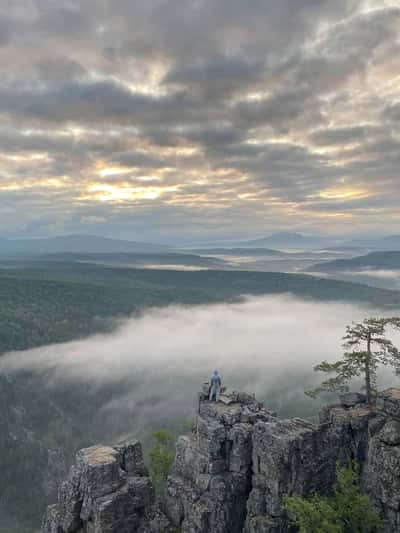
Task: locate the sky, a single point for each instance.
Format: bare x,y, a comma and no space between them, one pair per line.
171,119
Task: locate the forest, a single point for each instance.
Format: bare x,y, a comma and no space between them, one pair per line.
45,303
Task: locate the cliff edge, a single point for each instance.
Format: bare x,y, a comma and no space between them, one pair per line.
232,473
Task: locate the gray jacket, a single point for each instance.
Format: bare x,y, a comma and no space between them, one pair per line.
215,380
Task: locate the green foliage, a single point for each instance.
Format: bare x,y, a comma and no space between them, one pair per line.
347,511
46,302
354,509
315,515
162,456
365,348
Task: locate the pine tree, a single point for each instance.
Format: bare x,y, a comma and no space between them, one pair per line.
366,347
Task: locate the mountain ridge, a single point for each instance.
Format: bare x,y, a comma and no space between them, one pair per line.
76,243
373,260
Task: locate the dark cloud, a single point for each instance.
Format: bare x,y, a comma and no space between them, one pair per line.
342,136
63,19
280,110
5,31
95,101
59,69
391,112
229,111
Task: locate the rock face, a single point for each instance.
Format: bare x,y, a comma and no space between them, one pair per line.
233,472
297,457
56,472
107,491
211,479
382,465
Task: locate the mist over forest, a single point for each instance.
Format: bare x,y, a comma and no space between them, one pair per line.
101,347
184,187
166,354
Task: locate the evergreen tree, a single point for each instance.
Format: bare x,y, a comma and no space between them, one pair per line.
366,346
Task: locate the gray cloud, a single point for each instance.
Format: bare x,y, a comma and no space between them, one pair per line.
392,112
219,99
94,101
342,136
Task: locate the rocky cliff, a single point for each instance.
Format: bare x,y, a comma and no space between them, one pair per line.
232,473
107,490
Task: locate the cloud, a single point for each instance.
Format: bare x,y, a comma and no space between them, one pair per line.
265,345
184,92
93,101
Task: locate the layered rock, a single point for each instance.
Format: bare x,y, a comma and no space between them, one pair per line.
297,457
381,475
233,472
211,479
107,491
56,472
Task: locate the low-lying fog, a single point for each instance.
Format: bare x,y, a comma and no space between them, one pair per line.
264,345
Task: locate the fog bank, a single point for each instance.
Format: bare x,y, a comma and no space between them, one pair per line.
266,345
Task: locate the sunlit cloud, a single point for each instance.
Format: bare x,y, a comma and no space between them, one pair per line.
343,194
112,171
294,124
122,193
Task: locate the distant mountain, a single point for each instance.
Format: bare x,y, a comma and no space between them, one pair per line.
391,242
76,244
239,252
294,241
139,260
347,250
371,261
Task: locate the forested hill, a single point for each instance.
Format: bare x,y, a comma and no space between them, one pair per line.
374,260
77,244
44,303
55,302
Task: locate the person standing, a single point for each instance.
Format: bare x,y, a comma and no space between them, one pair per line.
215,386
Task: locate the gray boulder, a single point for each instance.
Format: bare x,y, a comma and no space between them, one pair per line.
107,491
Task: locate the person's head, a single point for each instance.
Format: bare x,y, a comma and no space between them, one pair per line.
215,372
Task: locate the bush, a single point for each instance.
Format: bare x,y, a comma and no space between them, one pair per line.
162,456
347,511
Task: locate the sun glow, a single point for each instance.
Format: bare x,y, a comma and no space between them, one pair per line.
113,171
343,194
118,194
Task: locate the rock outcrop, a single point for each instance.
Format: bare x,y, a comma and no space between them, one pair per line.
381,468
297,457
56,472
211,478
233,472
107,491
